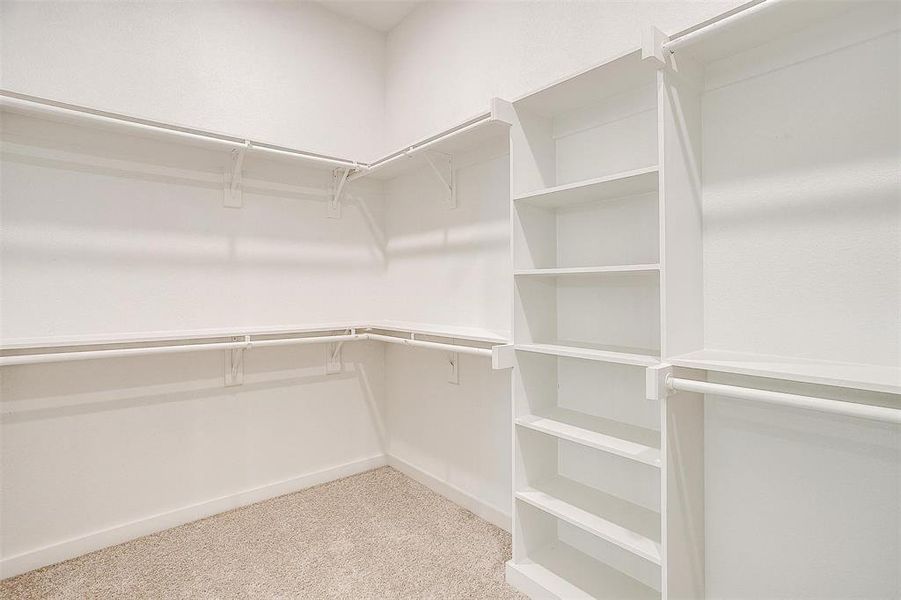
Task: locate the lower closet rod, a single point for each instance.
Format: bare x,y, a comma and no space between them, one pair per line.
850,409
26,359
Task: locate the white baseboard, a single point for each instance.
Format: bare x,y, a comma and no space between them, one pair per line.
453,493
55,553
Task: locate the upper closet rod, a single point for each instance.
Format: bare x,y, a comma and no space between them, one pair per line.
837,407
719,22
100,116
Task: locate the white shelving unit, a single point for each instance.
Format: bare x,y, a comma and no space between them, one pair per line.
630,257
587,445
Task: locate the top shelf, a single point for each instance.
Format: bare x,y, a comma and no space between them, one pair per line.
61,112
751,25
611,77
874,378
468,135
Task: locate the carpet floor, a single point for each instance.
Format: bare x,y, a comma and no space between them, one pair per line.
377,535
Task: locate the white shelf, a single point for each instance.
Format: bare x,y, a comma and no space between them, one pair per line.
466,136
627,441
72,114
874,378
611,76
624,356
754,27
562,572
170,336
555,272
629,183
622,523
472,334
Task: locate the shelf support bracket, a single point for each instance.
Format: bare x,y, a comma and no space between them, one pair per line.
333,361
448,181
657,381
454,373
234,363
234,192
339,179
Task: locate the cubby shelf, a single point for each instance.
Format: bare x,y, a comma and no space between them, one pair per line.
628,183
555,272
634,443
561,571
614,356
622,523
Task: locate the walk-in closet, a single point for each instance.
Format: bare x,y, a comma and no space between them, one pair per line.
450,299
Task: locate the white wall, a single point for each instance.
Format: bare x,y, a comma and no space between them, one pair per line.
451,267
101,237
289,73
446,60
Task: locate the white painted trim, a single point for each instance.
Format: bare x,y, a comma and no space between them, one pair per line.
48,555
478,507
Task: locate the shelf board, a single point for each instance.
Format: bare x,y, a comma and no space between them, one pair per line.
562,572
170,336
618,185
628,441
466,136
624,356
756,26
610,77
474,334
555,272
874,378
631,527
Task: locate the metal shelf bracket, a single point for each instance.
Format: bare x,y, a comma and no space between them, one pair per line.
339,179
448,180
234,362
233,192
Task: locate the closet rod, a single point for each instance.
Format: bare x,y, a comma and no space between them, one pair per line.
54,357
100,116
837,407
719,22
433,345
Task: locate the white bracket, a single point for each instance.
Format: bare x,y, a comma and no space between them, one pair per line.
234,363
448,181
454,374
333,363
657,381
339,178
233,191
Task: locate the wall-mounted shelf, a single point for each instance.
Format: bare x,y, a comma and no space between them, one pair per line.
874,378
749,27
622,523
73,348
627,441
466,136
585,270
629,183
63,112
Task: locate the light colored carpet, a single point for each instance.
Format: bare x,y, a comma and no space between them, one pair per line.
377,535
